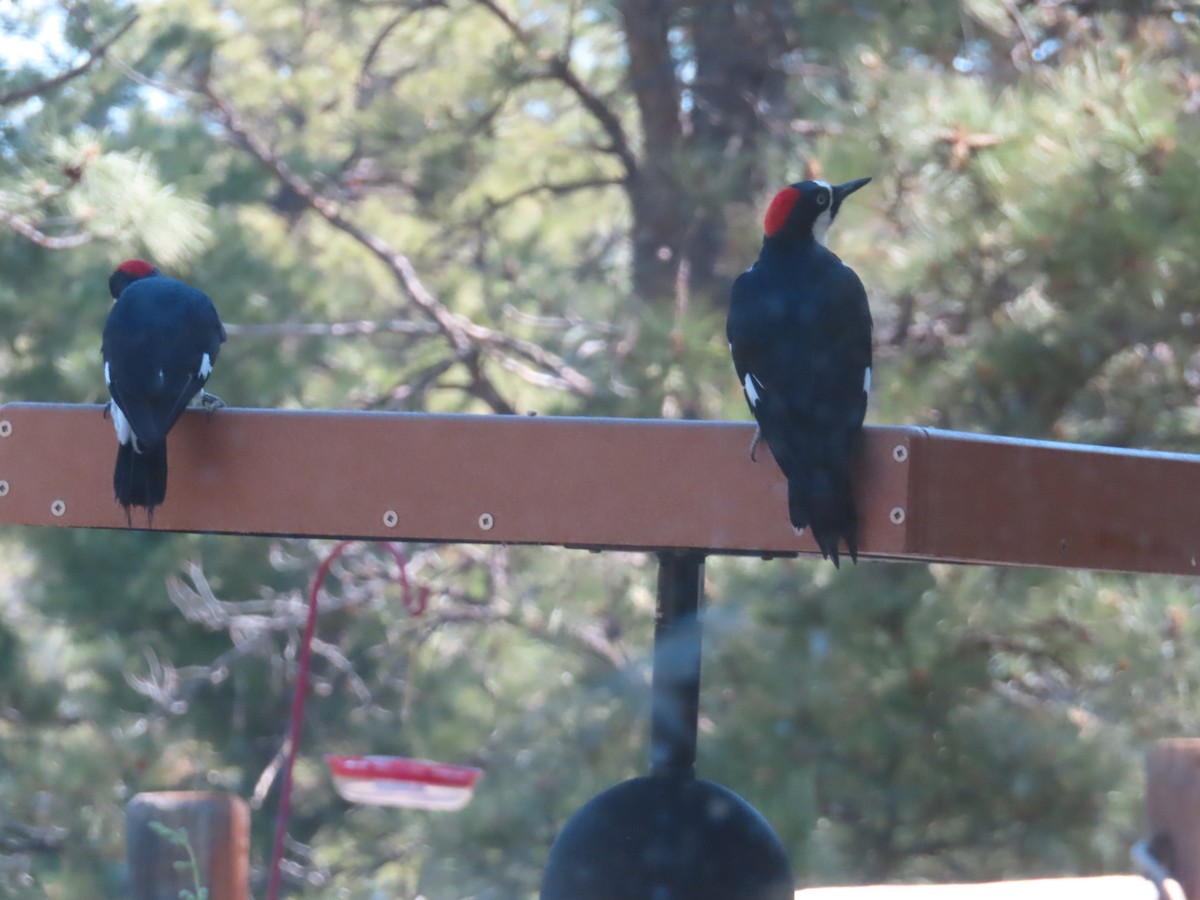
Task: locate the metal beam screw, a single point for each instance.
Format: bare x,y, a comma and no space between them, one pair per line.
900,453
390,519
58,508
5,428
486,521
3,488
897,515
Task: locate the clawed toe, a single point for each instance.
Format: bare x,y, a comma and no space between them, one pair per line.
211,401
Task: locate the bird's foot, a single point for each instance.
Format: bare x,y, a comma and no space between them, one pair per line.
104,409
211,402
755,442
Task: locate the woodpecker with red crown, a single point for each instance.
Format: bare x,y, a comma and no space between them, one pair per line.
799,329
160,342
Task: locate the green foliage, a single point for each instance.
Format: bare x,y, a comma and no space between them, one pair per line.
178,837
1027,244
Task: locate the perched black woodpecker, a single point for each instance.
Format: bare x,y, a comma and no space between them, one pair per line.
160,342
799,329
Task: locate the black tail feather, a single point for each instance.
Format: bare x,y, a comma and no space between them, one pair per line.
824,499
140,479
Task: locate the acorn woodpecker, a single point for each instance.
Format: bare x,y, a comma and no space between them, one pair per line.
160,342
799,329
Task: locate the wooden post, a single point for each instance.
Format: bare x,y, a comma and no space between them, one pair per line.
218,832
1173,808
1104,887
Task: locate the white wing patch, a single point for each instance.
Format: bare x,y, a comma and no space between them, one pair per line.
205,367
121,425
751,385
867,381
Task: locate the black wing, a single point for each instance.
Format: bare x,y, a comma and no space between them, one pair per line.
806,355
802,352
160,342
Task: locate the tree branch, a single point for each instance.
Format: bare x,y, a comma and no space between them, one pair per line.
466,338
558,68
18,838
26,230
619,144
414,386
98,52
554,188
330,329
363,82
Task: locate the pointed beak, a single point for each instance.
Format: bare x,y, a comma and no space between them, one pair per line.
842,191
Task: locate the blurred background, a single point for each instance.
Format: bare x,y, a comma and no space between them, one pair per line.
498,206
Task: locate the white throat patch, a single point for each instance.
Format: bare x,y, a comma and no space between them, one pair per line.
825,218
821,226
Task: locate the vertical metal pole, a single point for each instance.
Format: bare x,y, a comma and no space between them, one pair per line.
675,690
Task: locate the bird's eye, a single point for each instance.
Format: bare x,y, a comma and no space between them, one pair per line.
822,199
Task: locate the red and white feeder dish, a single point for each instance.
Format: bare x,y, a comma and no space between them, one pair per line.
396,781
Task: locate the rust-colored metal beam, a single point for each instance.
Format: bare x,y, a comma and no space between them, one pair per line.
607,483
978,498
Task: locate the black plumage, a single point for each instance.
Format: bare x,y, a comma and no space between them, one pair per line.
160,342
799,329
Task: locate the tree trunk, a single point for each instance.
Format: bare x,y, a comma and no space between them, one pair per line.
660,207
700,145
